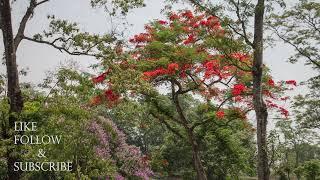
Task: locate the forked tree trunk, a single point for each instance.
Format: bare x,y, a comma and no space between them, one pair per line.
201,174
14,92
258,102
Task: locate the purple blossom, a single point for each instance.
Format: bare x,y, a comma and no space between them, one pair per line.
144,173
129,158
119,177
102,150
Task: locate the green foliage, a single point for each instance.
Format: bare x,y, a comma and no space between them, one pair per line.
123,5
290,147
298,26
62,113
307,107
65,112
3,168
310,169
226,147
66,36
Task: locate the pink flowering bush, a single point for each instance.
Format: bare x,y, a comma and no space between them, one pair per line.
111,145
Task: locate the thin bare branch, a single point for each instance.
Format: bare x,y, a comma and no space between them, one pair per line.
243,25
19,36
296,47
41,2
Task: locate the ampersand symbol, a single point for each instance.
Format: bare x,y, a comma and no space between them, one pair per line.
41,153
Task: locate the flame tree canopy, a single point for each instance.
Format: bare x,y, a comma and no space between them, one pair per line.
193,53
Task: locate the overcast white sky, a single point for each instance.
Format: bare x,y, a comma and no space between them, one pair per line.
40,58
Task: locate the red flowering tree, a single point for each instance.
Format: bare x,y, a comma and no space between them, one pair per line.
189,53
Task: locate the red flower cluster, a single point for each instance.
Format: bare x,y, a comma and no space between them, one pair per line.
284,112
190,39
269,95
211,68
162,22
141,38
238,89
172,69
240,56
173,17
220,114
155,73
100,78
213,22
292,82
271,83
187,14
270,104
111,96
195,25
203,22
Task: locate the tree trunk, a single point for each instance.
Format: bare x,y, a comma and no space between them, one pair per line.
14,93
201,174
258,102
297,155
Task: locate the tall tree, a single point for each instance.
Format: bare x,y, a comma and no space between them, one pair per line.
63,36
188,53
14,92
293,149
299,27
243,11
259,104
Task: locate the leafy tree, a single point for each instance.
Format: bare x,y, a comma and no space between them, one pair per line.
14,92
299,26
224,153
291,146
135,120
188,53
307,107
311,169
238,17
94,145
63,36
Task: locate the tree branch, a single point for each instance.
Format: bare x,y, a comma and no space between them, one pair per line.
60,48
296,48
20,34
167,125
210,11
243,25
176,102
41,2
208,120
